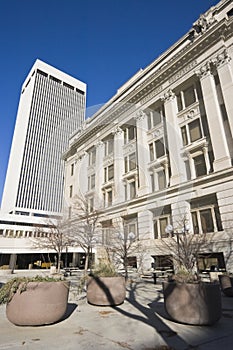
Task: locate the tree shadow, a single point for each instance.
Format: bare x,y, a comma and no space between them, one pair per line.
70,309
151,316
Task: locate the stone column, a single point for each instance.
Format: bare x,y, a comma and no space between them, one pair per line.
142,153
225,73
191,166
217,133
118,165
99,172
206,156
178,173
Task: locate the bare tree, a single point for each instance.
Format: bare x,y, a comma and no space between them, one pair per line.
55,237
120,245
83,225
184,247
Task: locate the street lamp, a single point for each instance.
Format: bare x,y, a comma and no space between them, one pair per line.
170,231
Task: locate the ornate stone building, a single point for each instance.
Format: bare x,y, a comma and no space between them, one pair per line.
161,149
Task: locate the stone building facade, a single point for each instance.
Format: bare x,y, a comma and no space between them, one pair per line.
161,149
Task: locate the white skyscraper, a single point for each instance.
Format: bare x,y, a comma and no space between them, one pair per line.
51,108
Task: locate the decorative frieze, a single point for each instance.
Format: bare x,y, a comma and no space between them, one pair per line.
183,71
152,94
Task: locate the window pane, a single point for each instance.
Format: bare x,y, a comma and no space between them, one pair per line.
200,166
156,234
189,96
132,161
110,172
206,221
131,133
179,102
184,135
159,146
195,223
126,165
163,222
195,130
110,198
156,117
132,189
92,181
151,149
149,121
110,146
161,179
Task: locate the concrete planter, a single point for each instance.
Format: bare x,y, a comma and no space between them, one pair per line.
106,291
226,284
193,303
42,303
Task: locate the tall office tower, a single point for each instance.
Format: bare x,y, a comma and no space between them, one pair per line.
51,108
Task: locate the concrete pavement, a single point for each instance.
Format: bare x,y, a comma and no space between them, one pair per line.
139,324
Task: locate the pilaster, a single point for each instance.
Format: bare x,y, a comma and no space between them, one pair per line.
142,153
225,73
178,173
118,165
215,122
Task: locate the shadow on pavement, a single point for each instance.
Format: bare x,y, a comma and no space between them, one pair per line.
149,316
70,309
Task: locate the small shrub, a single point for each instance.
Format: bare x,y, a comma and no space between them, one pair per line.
8,290
184,276
104,270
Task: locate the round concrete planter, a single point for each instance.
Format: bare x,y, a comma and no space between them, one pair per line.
41,303
226,284
193,303
106,291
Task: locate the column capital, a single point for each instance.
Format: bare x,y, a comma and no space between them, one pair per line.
140,115
204,70
168,96
221,58
98,144
117,131
81,156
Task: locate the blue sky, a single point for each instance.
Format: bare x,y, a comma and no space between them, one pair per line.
101,42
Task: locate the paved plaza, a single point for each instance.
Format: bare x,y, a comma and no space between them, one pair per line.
139,324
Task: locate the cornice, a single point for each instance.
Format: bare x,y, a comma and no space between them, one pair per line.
153,85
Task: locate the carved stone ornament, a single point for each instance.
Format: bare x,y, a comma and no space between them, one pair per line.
204,22
117,131
169,95
140,115
99,144
81,156
221,58
204,70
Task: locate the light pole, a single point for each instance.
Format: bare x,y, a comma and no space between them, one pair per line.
170,231
125,238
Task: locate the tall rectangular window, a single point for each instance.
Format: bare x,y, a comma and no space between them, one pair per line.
200,166
159,148
72,169
189,96
92,156
184,135
71,191
195,130
132,189
151,150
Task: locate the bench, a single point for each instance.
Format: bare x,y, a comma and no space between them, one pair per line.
70,270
